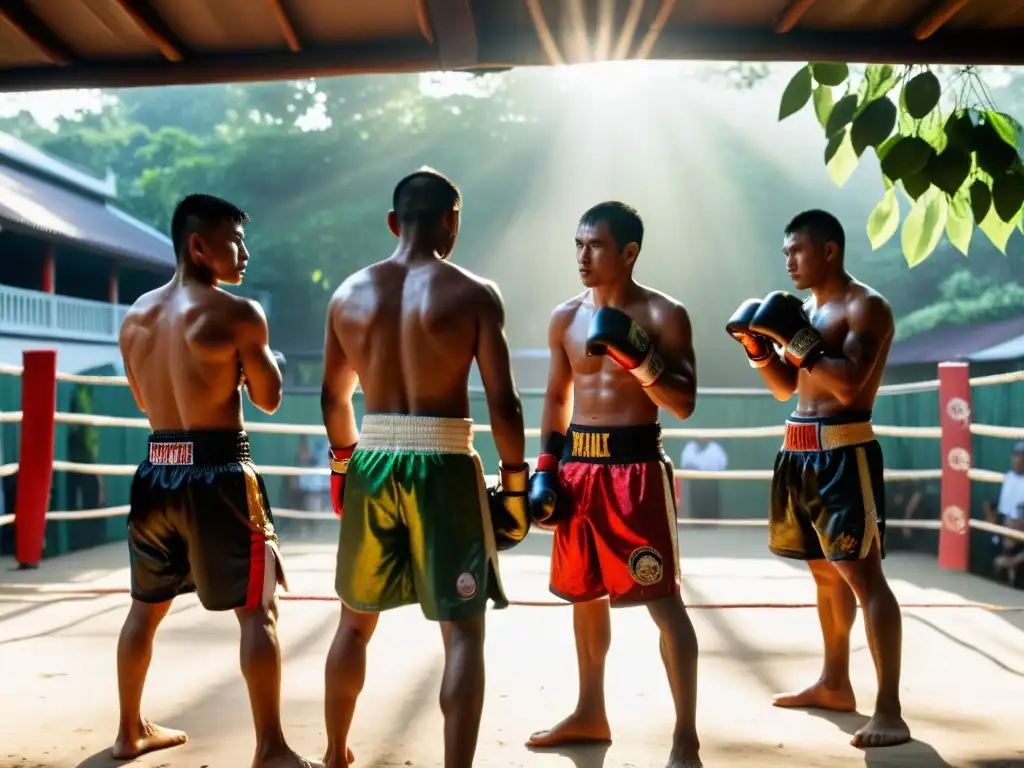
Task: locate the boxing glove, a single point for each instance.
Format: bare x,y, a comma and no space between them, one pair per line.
782,319
339,459
281,361
510,515
612,332
543,492
759,349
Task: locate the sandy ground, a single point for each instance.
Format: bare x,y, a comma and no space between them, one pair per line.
963,671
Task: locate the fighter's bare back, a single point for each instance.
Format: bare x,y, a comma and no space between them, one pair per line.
857,323
411,330
603,391
185,346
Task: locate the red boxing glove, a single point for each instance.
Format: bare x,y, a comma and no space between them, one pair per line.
339,458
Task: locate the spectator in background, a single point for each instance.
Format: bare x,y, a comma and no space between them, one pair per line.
1009,564
917,500
1008,512
704,455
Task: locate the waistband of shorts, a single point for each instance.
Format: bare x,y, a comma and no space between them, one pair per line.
827,433
613,445
200,446
415,434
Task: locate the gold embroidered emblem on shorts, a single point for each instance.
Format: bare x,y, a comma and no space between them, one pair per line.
591,445
843,544
646,566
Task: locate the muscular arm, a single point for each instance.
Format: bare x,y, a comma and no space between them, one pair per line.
495,365
558,396
124,340
339,385
262,376
676,388
870,326
781,376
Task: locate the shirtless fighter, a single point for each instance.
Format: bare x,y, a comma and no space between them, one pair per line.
199,518
619,352
416,518
827,499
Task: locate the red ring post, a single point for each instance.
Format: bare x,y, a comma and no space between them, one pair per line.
955,417
35,462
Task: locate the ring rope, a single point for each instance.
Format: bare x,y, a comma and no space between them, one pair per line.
888,389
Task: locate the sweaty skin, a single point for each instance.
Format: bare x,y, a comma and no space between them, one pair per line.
594,390
187,346
408,330
856,324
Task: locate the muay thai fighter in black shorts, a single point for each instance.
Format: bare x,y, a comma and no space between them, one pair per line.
199,518
827,500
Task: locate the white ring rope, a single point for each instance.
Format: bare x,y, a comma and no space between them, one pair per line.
990,430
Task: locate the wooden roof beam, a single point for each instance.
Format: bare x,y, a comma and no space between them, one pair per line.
791,15
155,28
942,13
449,26
31,27
544,36
647,44
284,23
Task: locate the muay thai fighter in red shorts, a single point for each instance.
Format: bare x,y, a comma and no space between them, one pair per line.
619,351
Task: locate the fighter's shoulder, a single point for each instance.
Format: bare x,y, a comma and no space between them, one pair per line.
563,314
663,308
240,309
864,302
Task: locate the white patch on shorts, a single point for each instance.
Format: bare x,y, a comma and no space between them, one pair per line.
465,585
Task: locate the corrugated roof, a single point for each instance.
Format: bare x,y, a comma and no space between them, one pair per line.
110,43
53,211
956,342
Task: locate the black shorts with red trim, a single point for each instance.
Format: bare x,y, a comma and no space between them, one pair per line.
200,522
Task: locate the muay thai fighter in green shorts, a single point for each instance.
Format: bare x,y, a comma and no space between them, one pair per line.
418,524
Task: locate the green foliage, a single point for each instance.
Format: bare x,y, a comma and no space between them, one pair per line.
964,299
951,152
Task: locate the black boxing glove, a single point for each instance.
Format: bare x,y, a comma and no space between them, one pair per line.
782,319
280,359
510,515
759,349
544,485
613,333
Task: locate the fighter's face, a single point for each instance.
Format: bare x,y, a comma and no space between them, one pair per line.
221,250
598,257
806,261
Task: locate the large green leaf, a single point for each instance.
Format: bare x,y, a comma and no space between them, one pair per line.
1003,126
841,115
915,184
873,126
905,157
959,224
880,79
797,93
949,170
981,200
923,227
959,129
921,94
997,230
1008,195
994,155
822,104
843,162
884,220
830,73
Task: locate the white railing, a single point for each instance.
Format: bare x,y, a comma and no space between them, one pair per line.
34,313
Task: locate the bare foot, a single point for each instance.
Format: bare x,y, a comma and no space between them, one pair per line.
818,696
575,729
882,731
146,737
685,753
331,763
284,758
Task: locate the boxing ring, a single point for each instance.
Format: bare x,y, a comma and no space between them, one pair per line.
963,663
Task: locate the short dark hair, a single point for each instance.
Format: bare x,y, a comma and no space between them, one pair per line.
424,197
199,211
821,226
623,221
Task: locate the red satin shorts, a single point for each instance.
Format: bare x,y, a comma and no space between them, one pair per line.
616,534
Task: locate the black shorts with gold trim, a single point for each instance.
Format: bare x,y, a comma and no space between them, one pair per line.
200,522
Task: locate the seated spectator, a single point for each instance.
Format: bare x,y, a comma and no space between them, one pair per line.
708,456
917,500
1008,510
1008,563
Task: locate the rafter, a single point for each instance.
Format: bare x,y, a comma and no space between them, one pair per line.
18,15
284,23
544,36
942,13
155,28
791,15
628,32
660,20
